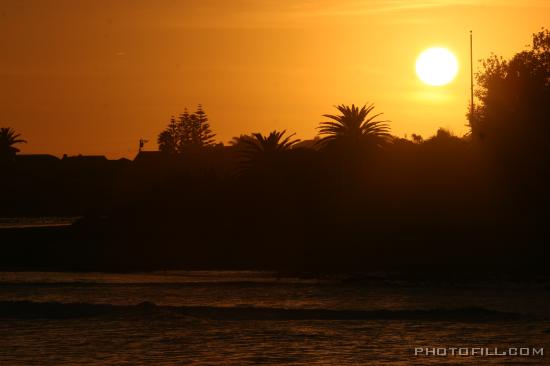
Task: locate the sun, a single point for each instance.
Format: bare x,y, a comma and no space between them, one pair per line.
436,66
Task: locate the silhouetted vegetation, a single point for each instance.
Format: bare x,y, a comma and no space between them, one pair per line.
354,127
511,124
9,138
189,131
515,98
354,198
259,152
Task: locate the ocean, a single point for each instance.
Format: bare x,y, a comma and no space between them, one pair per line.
268,318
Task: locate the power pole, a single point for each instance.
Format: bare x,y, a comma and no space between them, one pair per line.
471,81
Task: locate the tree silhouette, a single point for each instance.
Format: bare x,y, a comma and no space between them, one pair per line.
511,121
237,142
195,129
205,137
514,97
259,150
354,126
189,130
8,138
271,144
168,139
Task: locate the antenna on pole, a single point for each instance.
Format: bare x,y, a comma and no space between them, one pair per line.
471,81
142,143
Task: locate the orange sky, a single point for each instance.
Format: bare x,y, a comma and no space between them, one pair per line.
95,76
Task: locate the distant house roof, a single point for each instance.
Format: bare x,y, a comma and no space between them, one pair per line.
36,158
148,156
82,158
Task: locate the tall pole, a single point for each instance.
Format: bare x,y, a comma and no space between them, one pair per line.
471,81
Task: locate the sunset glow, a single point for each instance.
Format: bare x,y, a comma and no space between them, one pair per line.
108,73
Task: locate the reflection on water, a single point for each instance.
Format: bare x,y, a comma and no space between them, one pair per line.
175,333
28,222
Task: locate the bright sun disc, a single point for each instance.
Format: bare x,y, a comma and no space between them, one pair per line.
436,66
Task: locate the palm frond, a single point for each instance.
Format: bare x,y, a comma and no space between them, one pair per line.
354,124
258,149
8,138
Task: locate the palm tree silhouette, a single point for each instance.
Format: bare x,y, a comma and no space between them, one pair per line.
258,150
354,126
237,141
273,143
8,138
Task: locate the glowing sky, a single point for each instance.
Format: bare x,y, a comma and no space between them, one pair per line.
95,76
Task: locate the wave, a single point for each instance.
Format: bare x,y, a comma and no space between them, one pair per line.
58,310
270,283
33,222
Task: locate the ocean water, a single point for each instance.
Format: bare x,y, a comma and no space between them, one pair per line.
250,318
28,222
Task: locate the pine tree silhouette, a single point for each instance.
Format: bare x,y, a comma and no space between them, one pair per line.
190,129
205,137
169,139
